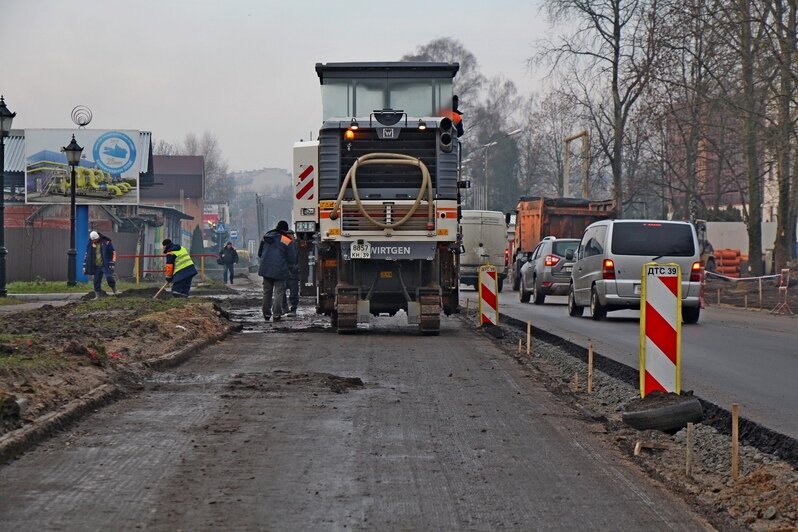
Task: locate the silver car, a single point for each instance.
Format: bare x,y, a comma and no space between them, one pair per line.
609,263
547,270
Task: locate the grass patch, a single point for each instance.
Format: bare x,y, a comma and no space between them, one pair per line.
31,362
6,301
129,303
60,287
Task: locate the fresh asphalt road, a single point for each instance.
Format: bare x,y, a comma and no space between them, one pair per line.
730,356
447,433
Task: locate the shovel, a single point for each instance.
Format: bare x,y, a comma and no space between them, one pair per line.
161,290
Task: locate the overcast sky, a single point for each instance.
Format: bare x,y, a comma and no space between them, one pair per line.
243,69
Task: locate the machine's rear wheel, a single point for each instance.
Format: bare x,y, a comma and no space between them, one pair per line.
430,323
345,315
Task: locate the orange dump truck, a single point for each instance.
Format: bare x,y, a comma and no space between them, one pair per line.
538,217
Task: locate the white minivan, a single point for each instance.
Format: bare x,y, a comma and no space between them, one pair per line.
484,242
609,263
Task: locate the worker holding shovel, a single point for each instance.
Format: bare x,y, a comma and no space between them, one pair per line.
180,268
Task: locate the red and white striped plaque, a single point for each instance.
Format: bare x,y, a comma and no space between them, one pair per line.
488,295
660,328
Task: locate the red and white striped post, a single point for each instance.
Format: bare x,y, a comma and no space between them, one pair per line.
660,328
488,295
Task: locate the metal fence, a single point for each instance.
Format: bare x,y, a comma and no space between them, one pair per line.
41,253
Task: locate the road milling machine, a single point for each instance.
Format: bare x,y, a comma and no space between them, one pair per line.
377,195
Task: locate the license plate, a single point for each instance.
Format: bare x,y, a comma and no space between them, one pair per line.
637,289
568,269
360,251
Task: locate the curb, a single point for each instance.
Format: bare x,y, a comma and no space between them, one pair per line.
23,439
59,296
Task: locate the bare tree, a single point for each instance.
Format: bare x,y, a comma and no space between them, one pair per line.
612,49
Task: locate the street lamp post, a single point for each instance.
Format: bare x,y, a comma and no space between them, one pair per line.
6,117
487,146
72,152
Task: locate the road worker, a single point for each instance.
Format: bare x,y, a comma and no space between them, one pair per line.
99,261
179,269
277,256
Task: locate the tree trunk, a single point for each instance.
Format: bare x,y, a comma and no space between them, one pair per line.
750,140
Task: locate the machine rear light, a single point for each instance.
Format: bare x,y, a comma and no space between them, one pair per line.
695,272
551,260
349,134
608,270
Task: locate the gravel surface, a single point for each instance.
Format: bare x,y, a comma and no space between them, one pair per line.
765,496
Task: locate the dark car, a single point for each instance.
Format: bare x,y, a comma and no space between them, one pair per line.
547,271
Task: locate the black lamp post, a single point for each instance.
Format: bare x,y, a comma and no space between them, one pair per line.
6,117
73,152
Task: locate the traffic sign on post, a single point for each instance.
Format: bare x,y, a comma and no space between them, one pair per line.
220,228
660,328
233,234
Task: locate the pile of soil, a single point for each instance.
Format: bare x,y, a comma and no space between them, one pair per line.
764,497
52,355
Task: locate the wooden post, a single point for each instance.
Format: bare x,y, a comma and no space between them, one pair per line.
529,338
745,298
760,293
467,302
590,367
137,269
576,381
689,465
735,459
202,267
520,346
718,296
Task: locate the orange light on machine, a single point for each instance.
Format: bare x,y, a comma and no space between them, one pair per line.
349,134
695,272
608,270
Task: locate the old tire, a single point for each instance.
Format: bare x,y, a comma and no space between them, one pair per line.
574,310
668,418
597,311
690,315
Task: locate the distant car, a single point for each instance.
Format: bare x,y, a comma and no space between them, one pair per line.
547,271
607,272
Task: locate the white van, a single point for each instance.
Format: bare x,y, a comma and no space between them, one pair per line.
484,242
609,263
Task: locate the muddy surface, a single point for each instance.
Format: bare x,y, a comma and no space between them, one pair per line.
51,355
385,429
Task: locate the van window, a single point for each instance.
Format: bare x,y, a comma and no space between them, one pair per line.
652,238
594,241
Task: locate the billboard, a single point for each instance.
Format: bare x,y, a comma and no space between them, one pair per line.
108,172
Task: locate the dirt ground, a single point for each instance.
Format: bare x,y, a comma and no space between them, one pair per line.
51,355
745,294
764,497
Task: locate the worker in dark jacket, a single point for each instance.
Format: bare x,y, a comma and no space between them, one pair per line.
228,257
277,257
292,284
180,268
99,261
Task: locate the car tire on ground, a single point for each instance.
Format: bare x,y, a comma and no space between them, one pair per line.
691,314
523,295
597,311
501,284
537,297
574,310
516,281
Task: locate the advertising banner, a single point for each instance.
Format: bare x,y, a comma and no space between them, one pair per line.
108,172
